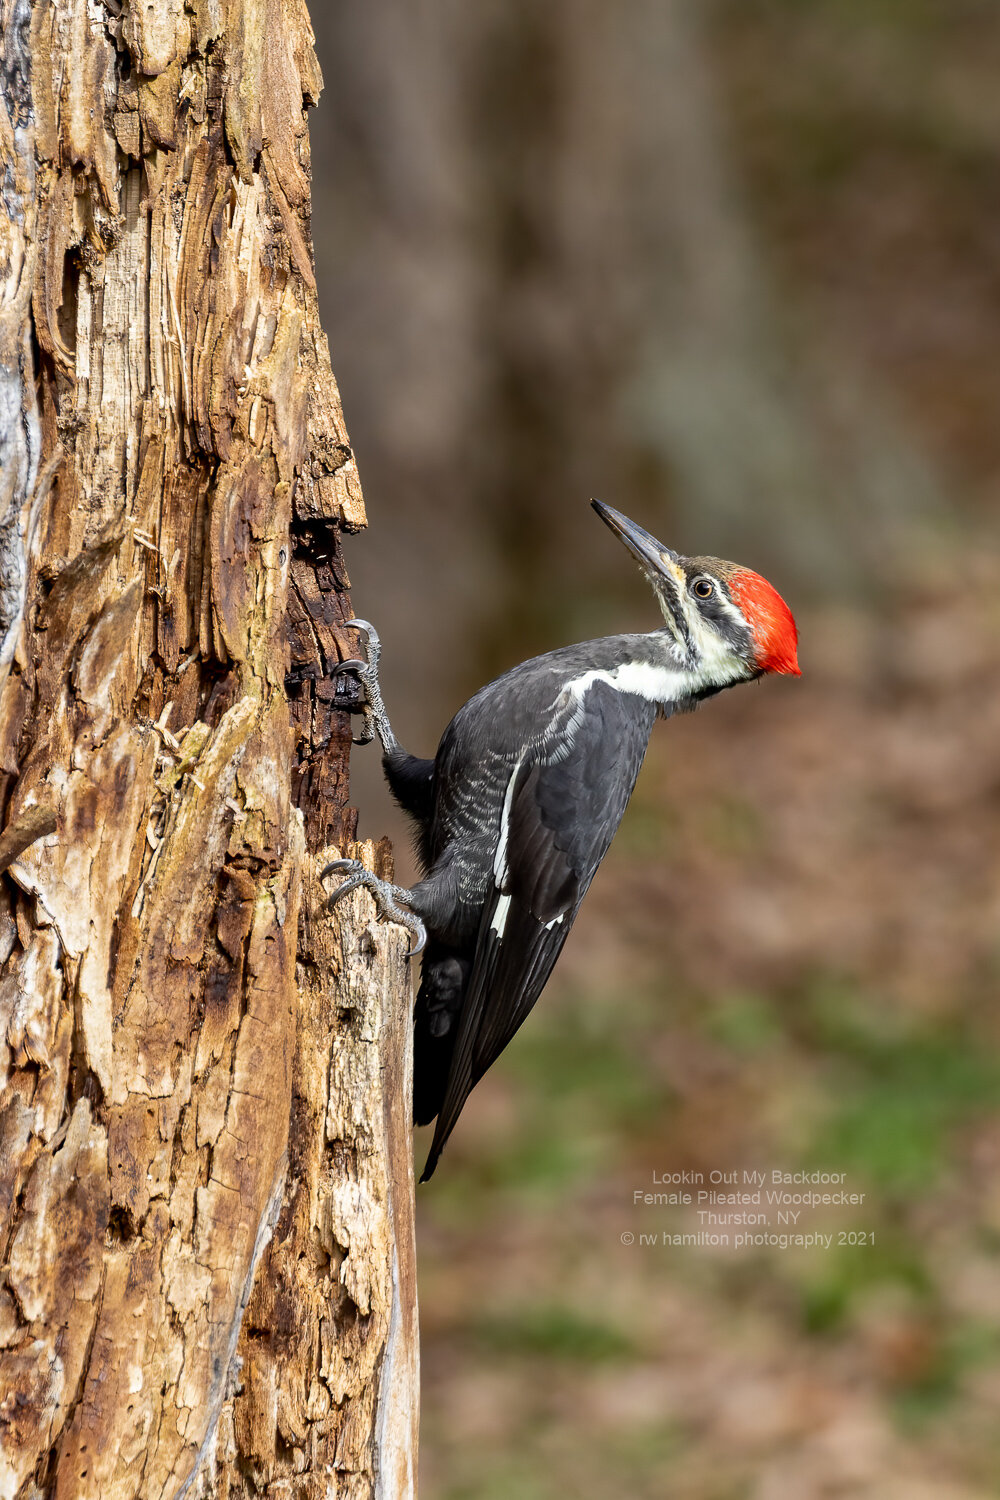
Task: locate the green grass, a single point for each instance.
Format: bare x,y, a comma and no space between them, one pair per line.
503,1476
836,1279
552,1332
896,1092
587,1053
965,1347
582,1082
744,1023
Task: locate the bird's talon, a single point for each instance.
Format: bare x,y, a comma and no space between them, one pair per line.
376,721
373,646
386,897
342,890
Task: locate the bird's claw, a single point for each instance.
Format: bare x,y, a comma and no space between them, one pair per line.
375,721
367,627
373,645
360,669
386,897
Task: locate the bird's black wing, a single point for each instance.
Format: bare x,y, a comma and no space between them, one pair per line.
563,805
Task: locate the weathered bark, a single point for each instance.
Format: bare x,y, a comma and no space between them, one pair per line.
207,1279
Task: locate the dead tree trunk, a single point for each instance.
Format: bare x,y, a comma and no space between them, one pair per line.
207,1277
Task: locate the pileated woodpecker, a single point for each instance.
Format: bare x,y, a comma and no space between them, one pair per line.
529,784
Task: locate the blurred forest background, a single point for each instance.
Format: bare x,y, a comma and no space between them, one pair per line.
733,266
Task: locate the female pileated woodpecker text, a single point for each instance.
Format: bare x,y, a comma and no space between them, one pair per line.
529,784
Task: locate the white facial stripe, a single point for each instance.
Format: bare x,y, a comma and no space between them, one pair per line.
717,659
730,609
665,599
719,664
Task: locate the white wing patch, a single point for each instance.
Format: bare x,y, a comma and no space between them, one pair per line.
500,869
500,857
500,916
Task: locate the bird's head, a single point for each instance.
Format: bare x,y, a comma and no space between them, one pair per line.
728,623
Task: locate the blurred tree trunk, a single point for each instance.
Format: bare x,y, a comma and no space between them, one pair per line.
207,1280
552,277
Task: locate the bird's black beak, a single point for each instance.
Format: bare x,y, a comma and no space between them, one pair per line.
660,564
651,555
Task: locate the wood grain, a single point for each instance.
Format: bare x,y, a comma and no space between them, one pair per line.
207,1279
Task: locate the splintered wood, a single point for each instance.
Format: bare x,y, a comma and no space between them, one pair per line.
207,1272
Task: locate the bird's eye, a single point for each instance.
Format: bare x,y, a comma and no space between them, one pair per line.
704,588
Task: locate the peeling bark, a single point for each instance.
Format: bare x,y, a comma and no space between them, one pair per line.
207,1281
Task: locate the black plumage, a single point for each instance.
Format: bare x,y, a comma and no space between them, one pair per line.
517,809
497,917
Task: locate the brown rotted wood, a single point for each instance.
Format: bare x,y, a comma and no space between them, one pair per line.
206,1247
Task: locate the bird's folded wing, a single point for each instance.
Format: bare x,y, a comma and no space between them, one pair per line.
559,817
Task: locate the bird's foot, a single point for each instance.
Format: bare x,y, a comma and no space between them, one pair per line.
376,720
387,897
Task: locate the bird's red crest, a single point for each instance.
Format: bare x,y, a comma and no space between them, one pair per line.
775,633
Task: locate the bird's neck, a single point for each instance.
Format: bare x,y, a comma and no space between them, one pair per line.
647,666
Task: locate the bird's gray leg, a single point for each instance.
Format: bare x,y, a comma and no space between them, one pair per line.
376,720
387,898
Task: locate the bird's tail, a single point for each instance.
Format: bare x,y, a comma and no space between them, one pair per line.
441,1134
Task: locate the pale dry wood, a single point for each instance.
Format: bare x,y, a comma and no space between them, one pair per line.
330,1332
207,1278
